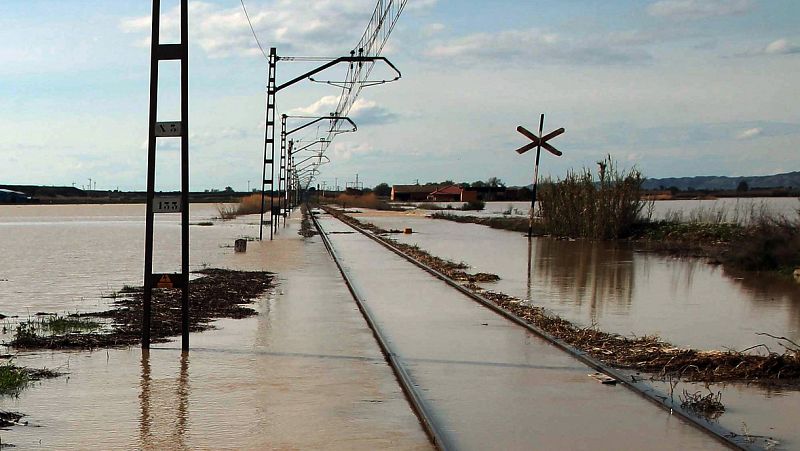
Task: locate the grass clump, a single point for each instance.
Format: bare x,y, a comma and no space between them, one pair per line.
33,329
474,205
60,325
767,244
252,204
218,294
13,379
756,241
227,211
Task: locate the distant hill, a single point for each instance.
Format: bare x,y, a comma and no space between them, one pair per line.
719,183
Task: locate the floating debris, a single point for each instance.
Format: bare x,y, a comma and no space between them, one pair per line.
10,418
709,406
603,378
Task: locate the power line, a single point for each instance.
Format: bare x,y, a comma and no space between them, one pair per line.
253,30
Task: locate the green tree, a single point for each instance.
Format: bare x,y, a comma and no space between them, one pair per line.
743,187
494,182
383,190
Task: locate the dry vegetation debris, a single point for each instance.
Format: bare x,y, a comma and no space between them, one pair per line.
219,293
647,354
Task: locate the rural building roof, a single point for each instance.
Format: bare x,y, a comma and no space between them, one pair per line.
414,188
449,189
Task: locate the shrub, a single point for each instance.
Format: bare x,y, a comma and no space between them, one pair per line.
226,212
474,205
12,379
252,204
580,207
369,200
768,243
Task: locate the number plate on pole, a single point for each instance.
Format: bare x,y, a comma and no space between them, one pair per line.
164,129
167,204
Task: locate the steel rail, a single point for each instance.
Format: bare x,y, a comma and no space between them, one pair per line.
722,434
418,404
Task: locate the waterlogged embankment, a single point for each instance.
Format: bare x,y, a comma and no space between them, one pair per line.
643,353
217,294
304,373
531,393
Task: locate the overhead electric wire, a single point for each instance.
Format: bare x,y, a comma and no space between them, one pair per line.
244,8
371,43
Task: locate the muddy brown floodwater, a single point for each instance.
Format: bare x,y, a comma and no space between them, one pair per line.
685,301
490,383
305,373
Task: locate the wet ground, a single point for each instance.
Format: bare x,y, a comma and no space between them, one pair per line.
687,302
734,209
492,384
305,373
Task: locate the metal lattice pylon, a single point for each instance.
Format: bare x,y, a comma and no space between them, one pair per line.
269,146
167,204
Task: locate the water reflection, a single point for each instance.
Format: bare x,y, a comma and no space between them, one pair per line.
162,399
771,290
183,399
584,271
144,399
530,276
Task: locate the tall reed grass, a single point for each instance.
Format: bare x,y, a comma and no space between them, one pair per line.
768,242
369,200
252,204
580,206
739,214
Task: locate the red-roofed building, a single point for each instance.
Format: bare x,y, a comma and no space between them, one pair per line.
452,193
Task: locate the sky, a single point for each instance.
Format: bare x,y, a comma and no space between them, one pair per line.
672,87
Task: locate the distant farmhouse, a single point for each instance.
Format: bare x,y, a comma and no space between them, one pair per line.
450,193
411,193
432,192
453,193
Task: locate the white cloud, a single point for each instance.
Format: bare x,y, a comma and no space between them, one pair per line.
750,133
781,47
421,4
698,9
347,150
534,45
433,29
319,27
366,112
322,107
362,112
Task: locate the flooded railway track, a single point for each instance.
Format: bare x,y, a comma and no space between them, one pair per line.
420,407
433,419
